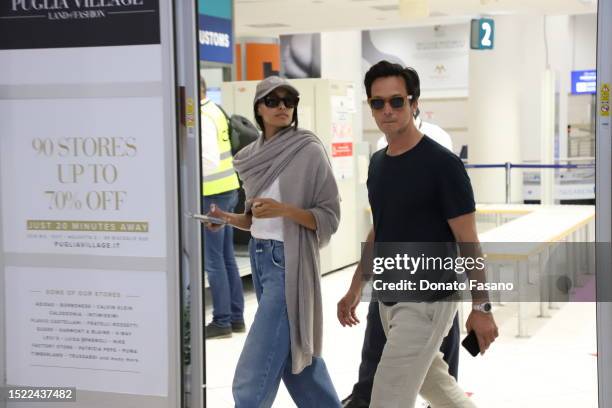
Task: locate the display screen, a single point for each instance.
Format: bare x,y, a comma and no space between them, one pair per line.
584,82
214,94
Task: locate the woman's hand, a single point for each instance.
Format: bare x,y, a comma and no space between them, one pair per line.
268,208
217,213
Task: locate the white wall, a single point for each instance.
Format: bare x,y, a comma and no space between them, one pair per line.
571,46
584,42
494,120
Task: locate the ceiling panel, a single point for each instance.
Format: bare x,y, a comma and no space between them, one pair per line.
255,18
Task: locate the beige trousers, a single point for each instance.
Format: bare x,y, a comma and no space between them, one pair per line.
411,362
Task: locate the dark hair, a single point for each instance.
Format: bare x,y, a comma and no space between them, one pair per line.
259,119
202,86
384,69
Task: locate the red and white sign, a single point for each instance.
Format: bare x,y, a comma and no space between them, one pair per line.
342,149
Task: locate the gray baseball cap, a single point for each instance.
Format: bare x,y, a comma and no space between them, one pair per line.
271,83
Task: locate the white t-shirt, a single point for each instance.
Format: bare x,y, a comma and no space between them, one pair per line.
269,228
210,147
435,132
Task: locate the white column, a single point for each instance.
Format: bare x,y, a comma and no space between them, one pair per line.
547,137
494,110
560,35
341,59
512,116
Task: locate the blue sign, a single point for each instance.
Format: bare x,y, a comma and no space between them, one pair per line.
215,39
216,8
482,34
584,82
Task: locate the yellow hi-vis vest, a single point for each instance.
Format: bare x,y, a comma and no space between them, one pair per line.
224,177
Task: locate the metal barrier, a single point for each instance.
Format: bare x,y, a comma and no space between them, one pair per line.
509,166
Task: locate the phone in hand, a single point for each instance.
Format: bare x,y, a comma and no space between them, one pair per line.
470,343
209,219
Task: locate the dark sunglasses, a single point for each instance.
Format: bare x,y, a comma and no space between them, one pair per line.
273,101
396,102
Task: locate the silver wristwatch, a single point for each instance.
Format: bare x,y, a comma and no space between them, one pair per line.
483,307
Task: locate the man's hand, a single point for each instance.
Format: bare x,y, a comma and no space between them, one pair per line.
347,306
267,208
484,326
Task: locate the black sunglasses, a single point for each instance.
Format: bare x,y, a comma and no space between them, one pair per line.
396,102
273,101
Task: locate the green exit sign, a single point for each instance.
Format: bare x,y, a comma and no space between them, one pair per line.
482,34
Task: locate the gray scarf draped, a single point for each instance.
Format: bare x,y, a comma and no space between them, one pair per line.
298,159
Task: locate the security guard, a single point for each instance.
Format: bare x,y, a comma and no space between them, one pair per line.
220,188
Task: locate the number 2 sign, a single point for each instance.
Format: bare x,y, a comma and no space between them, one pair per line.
482,34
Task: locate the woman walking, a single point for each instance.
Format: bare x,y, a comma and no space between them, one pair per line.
292,209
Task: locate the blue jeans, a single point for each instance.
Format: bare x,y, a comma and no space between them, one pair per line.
220,263
266,356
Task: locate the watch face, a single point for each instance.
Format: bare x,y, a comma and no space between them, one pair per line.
486,307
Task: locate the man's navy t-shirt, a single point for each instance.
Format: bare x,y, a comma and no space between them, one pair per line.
414,194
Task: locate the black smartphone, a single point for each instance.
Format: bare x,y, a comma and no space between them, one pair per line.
471,343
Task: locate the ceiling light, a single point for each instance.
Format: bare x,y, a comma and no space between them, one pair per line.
267,25
414,8
388,7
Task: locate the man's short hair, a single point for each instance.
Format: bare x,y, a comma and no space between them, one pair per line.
384,69
202,87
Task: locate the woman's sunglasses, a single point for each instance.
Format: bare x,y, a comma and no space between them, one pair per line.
396,102
273,101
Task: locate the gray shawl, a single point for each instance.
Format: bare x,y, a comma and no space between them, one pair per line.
298,159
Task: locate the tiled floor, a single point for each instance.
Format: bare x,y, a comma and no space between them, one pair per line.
555,367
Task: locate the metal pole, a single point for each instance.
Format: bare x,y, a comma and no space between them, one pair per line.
603,203
508,182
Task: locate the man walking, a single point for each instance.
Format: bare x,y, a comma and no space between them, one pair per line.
375,339
220,189
434,202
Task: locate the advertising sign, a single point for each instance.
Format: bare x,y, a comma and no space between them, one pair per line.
301,55
439,54
342,137
85,184
27,24
62,323
87,198
216,37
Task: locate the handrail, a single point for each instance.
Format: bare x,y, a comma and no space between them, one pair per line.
509,166
530,166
